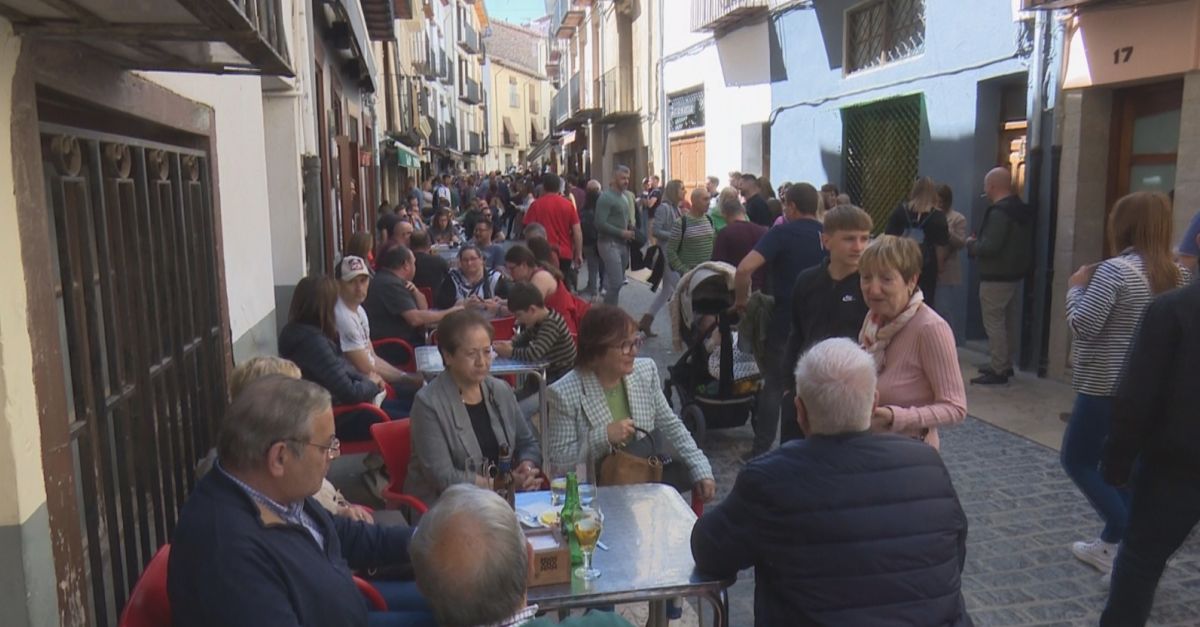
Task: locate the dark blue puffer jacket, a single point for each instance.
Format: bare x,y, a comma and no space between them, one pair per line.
321,361
857,529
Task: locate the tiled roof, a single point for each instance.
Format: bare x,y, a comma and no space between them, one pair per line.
515,46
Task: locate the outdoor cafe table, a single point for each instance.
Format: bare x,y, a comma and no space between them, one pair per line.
429,363
648,530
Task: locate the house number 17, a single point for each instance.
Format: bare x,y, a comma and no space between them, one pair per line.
1122,55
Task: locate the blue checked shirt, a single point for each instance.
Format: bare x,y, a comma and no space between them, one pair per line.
293,514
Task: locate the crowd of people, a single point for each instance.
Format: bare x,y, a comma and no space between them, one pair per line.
850,519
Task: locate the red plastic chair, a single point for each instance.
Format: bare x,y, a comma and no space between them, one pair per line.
427,292
360,446
150,606
505,328
374,598
394,440
390,346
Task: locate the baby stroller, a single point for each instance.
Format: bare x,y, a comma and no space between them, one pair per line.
706,401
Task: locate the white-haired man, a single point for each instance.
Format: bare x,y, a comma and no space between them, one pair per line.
472,561
845,527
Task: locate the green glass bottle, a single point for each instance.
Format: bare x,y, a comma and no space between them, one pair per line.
570,513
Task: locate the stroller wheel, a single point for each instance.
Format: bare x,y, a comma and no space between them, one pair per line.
693,419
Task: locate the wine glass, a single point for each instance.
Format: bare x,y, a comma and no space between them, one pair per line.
588,526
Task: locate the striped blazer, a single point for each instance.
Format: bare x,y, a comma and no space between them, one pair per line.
578,409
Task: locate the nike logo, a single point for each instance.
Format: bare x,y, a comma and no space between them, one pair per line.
848,298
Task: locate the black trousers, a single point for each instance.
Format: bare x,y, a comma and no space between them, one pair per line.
1165,508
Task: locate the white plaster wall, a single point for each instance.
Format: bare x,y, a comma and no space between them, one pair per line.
737,91
242,173
281,124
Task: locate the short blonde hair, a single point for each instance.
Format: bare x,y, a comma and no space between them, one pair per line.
846,218
890,252
258,367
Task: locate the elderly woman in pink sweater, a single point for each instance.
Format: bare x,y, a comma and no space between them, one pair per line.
920,384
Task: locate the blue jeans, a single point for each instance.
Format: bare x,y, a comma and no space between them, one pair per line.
1083,441
406,606
1165,508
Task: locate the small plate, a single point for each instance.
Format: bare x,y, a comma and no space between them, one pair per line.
549,517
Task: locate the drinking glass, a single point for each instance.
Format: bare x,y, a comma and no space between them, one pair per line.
588,526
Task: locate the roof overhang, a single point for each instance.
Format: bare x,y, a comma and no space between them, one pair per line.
209,36
346,27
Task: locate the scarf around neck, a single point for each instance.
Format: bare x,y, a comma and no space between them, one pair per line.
875,338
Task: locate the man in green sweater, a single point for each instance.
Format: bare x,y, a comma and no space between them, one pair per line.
471,561
615,230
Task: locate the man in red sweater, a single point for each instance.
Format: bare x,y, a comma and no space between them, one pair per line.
555,212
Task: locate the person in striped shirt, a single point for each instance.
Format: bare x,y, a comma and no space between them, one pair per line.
545,337
692,235
1105,305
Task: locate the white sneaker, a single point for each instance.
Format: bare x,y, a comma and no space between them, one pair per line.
1098,553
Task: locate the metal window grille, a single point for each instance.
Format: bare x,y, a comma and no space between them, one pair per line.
884,31
686,111
881,148
134,243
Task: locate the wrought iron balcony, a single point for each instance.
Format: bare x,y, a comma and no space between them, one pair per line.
720,15
474,144
617,89
567,15
469,91
210,36
468,37
560,107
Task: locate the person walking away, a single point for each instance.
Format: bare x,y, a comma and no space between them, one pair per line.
615,229
1004,253
1155,423
738,238
786,251
756,204
949,266
1105,304
827,299
918,220
666,216
554,212
591,237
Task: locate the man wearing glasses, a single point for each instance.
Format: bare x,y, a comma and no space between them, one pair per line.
252,546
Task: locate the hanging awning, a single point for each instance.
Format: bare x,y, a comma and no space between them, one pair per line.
510,134
407,157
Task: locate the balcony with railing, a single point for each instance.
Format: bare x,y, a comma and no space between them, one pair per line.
560,107
213,36
566,16
474,144
468,37
425,61
469,90
445,69
617,89
722,15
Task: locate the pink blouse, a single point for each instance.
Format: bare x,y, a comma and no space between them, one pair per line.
921,381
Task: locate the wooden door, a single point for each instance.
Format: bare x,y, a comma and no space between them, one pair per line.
687,161
1144,144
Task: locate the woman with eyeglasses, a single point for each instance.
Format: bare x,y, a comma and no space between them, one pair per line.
462,418
610,392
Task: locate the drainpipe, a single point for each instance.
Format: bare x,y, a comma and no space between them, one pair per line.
664,144
1042,162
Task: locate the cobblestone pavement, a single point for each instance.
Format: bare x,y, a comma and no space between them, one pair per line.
1023,512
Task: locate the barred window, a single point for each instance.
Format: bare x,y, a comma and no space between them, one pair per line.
882,31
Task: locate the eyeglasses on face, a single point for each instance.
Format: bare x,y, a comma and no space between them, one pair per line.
631,347
332,450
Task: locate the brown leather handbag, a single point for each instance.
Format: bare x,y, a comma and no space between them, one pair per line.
622,467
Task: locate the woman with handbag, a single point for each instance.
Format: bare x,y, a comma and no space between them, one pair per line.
616,401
